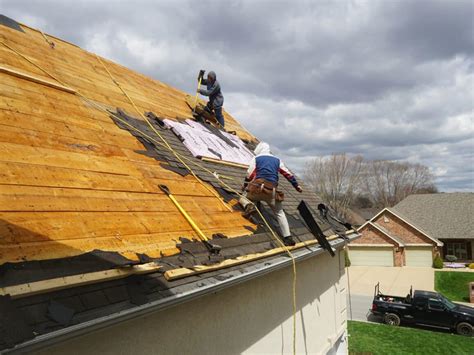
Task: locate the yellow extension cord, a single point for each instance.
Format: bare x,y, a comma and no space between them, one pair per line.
166,145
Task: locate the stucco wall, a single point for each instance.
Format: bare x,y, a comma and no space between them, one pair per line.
254,317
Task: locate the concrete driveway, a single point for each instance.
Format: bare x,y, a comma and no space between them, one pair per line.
393,280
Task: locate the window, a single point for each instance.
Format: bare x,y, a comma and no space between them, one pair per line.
458,249
435,305
447,303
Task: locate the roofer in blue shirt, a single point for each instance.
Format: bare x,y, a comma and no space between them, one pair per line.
262,181
213,90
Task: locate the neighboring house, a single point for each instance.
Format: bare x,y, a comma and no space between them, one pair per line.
417,229
447,217
96,258
358,216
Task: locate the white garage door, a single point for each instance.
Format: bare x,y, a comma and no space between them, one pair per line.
371,256
419,256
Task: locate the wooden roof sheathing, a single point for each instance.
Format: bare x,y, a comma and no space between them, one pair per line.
71,180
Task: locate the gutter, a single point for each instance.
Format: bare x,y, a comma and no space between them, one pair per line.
251,272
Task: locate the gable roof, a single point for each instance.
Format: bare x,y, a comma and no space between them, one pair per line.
386,209
441,215
80,195
385,232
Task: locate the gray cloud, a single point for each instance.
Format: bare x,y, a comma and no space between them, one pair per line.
389,80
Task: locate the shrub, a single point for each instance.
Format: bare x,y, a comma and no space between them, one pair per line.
346,257
438,262
451,258
471,266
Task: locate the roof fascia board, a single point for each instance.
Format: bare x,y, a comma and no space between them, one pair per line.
419,245
270,265
372,245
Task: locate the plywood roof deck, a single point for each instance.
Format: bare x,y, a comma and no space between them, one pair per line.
71,180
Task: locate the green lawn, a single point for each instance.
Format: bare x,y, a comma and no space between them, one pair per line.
379,339
454,285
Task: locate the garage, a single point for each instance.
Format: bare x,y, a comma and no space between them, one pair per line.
371,256
419,256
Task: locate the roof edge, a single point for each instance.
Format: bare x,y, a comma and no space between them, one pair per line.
270,265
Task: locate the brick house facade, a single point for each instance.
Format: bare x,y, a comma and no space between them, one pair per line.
388,230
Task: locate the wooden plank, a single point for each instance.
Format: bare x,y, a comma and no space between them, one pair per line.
26,227
13,173
136,84
223,162
128,246
155,245
48,176
63,127
154,92
36,79
53,199
19,153
82,118
79,112
45,286
9,134
199,269
104,90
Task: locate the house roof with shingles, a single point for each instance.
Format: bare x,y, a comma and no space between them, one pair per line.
441,215
87,236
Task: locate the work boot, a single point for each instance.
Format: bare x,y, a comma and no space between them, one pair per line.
289,241
249,210
208,109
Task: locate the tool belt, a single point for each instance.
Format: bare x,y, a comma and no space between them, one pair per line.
264,190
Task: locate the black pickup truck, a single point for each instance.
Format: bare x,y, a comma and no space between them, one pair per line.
423,307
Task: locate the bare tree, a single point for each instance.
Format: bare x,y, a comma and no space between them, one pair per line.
340,180
335,179
387,182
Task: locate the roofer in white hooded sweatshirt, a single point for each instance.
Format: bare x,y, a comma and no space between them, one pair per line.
261,184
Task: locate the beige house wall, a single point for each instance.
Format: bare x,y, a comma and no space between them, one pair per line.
253,317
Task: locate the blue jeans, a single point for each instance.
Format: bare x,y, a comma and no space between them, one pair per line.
219,116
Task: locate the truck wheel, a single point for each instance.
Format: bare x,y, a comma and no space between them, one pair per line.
464,329
391,319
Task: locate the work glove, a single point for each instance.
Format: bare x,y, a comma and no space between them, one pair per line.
201,74
299,189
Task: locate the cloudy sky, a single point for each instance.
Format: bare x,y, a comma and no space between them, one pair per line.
385,79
